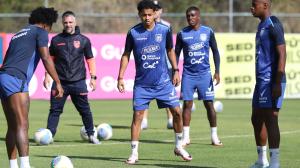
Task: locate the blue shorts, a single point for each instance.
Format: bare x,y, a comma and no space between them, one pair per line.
202,84
10,85
165,96
262,96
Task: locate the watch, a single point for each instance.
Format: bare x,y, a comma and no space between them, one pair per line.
93,77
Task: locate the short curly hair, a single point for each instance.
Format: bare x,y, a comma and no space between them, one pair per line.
146,4
43,15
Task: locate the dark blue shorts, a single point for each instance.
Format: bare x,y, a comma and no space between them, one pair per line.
262,96
202,84
165,96
10,85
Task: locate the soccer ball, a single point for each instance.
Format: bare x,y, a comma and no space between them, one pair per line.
105,131
84,135
43,136
61,162
218,106
193,107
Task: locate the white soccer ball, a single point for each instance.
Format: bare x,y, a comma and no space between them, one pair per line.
218,106
43,136
84,135
105,131
61,162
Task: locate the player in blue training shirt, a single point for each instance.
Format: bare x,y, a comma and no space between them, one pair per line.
270,83
149,42
24,52
195,40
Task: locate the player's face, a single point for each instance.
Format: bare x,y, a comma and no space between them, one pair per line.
69,24
147,16
193,18
258,7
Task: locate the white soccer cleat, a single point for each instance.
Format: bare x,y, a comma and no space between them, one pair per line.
260,165
144,124
183,154
186,142
133,159
216,142
94,140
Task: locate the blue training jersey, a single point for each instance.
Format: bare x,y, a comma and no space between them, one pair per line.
22,56
195,45
149,50
269,34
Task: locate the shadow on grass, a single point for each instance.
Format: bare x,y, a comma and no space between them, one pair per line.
113,126
143,141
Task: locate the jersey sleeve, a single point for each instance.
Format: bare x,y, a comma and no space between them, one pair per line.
169,39
277,33
214,48
178,46
129,42
42,38
88,49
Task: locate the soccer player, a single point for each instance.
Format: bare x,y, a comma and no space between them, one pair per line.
150,41
69,49
195,40
158,13
25,50
270,83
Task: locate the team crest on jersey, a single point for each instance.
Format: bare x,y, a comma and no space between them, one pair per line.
76,44
203,37
158,38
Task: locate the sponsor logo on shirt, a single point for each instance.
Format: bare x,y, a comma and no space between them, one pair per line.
196,46
150,49
197,61
191,54
158,38
19,35
148,65
61,44
141,38
203,37
76,43
186,38
150,57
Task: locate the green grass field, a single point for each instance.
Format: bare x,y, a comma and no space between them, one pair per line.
156,147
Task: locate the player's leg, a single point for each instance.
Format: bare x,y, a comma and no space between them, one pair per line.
16,111
166,97
56,109
212,118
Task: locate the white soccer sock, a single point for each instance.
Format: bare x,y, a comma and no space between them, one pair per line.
134,147
24,162
13,163
214,133
178,140
170,120
186,133
262,154
274,156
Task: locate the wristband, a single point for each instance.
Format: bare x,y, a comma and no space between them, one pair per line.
93,77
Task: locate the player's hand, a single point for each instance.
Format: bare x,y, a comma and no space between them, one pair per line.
176,79
276,91
47,82
93,84
121,85
217,78
59,91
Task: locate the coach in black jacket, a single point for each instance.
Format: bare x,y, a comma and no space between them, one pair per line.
68,50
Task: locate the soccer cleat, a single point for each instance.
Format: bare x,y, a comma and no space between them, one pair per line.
144,124
183,154
216,142
94,140
133,159
185,143
170,125
260,165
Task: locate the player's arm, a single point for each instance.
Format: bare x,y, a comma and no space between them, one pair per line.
91,62
124,62
178,46
172,58
49,65
48,79
277,35
216,56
